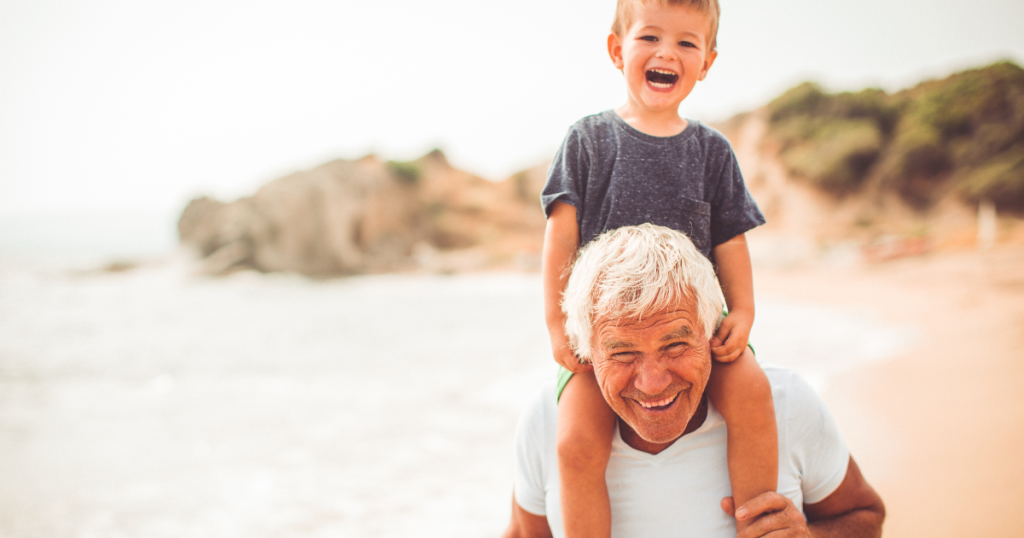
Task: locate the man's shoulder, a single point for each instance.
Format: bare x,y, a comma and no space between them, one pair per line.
540,412
801,414
535,450
789,388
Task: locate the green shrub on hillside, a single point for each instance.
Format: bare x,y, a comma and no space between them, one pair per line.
831,140
837,154
965,132
1001,179
407,171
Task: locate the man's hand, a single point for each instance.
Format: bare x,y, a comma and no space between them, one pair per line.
731,338
772,513
853,509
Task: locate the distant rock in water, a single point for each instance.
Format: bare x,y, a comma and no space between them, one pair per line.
347,217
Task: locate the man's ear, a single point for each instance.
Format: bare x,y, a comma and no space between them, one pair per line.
615,50
708,60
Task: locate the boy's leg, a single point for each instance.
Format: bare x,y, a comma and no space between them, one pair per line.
585,428
742,394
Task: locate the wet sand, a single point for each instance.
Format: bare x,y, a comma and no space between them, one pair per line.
938,430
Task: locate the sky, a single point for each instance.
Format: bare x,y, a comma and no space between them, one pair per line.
136,106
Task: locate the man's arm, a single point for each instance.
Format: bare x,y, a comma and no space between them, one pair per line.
853,510
526,525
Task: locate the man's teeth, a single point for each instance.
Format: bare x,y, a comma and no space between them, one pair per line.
659,403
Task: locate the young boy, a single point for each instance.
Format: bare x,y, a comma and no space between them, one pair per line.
643,163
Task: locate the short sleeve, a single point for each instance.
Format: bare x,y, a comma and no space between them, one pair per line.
733,209
818,450
568,173
530,440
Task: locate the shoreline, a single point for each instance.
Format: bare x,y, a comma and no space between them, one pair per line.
937,429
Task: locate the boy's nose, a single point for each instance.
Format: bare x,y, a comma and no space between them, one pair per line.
665,53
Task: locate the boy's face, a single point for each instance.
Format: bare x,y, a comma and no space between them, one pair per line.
663,53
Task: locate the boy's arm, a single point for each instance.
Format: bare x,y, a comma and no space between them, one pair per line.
561,239
734,273
742,393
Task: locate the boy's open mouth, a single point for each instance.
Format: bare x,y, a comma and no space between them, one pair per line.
661,79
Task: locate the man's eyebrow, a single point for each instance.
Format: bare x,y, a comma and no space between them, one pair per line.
616,344
680,333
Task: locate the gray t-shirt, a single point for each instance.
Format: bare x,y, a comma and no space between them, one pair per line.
616,176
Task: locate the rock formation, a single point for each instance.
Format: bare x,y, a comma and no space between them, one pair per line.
360,216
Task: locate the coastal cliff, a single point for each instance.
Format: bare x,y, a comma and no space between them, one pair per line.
370,216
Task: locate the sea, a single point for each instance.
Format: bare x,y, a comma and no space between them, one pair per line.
139,398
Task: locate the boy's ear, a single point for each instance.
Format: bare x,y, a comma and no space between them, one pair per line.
708,60
615,50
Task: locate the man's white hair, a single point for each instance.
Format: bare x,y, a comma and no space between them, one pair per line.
633,272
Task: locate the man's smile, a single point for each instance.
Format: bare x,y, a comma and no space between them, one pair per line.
661,78
660,404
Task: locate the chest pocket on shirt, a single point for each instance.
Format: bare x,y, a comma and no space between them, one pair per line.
695,222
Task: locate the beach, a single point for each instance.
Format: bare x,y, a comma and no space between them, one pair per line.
938,429
153,401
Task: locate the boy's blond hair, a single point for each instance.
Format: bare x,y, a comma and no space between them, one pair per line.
624,14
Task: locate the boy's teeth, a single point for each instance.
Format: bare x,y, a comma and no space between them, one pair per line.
661,78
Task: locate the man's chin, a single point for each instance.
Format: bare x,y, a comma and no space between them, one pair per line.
660,429
660,436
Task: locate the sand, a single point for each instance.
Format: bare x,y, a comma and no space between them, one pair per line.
938,430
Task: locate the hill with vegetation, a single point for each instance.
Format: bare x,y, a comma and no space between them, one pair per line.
962,135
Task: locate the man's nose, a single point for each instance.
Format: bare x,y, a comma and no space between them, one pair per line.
652,377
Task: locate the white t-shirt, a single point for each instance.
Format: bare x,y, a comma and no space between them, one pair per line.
677,492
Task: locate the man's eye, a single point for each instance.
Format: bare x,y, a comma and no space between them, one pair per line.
623,357
676,348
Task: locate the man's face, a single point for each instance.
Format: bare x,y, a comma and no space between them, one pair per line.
652,372
662,54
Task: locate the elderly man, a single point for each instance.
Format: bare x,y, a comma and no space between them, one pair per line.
642,304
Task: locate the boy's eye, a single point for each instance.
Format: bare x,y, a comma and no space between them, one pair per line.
687,44
649,38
